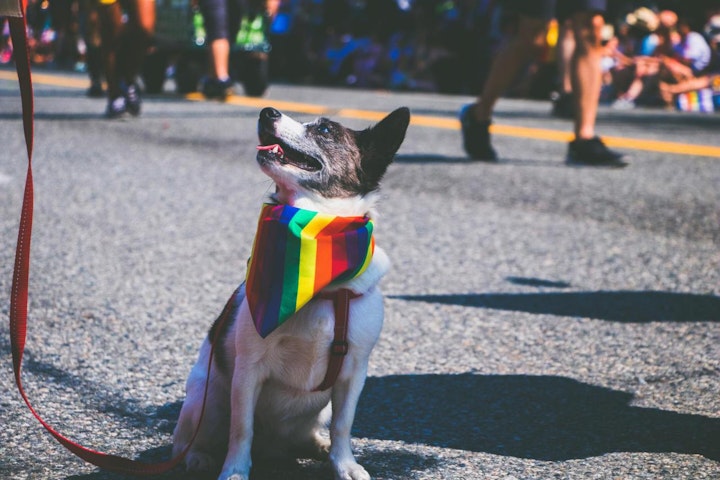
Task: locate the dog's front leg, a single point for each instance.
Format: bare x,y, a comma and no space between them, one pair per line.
246,384
345,396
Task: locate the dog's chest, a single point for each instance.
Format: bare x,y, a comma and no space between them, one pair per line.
299,351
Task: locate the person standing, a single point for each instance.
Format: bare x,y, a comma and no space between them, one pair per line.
580,51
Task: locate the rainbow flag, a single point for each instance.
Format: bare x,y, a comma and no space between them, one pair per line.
696,101
296,254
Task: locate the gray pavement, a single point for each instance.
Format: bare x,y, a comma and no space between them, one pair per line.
542,322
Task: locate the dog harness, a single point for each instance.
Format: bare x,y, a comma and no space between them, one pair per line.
296,254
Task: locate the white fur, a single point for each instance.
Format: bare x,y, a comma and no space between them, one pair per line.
267,396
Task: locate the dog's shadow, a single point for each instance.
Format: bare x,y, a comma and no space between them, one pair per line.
545,418
536,417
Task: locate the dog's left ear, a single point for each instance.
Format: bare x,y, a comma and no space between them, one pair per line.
379,144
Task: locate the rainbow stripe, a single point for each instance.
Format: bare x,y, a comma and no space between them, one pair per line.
696,101
296,254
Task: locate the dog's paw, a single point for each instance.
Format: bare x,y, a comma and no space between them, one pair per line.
200,462
350,471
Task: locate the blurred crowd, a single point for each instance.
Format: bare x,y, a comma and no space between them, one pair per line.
659,53
658,57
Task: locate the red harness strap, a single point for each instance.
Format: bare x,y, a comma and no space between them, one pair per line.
339,347
19,292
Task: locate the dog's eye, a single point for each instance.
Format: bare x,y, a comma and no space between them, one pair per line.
323,128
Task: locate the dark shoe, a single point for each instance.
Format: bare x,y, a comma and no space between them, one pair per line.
133,102
116,107
563,105
218,89
592,152
476,136
96,90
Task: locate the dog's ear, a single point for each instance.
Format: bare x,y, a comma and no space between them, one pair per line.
379,144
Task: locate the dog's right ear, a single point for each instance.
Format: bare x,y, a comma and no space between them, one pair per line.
380,143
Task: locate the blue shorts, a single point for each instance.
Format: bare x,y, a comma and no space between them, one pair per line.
548,9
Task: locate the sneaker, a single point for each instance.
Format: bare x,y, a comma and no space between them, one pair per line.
219,89
116,107
476,136
133,101
592,152
563,105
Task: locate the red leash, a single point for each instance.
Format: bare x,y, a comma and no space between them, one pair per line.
19,292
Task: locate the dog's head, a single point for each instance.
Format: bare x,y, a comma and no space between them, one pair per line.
322,163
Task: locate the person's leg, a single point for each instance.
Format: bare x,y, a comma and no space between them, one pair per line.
135,41
476,118
585,71
563,103
219,58
508,62
136,38
566,49
217,16
110,16
586,79
90,28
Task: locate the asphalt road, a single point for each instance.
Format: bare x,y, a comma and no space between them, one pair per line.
542,322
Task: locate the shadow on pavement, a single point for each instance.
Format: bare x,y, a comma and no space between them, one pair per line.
545,418
536,417
618,306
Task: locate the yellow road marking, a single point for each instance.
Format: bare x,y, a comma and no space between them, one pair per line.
677,148
53,80
260,103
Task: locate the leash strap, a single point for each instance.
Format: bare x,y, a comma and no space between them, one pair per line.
19,292
339,347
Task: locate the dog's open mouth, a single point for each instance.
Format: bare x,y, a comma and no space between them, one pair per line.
286,155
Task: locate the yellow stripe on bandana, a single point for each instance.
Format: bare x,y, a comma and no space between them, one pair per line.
308,252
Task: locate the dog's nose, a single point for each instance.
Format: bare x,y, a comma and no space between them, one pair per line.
269,113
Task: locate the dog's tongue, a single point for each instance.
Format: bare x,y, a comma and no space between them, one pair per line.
275,148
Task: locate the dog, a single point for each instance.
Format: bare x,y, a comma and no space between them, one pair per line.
261,400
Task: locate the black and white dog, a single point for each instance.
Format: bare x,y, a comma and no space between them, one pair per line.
260,393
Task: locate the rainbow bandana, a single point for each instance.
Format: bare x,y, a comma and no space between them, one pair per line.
296,254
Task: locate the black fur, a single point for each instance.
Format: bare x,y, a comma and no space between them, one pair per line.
220,328
378,146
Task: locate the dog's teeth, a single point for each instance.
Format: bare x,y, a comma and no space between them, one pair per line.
276,148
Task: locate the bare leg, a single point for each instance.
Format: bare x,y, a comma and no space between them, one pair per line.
475,118
586,76
586,72
566,50
219,58
530,37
